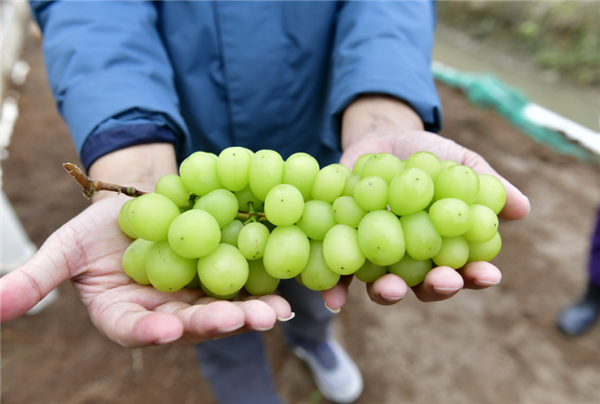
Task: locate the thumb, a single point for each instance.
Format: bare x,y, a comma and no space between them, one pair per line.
24,287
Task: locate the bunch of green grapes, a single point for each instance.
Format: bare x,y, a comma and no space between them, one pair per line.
247,220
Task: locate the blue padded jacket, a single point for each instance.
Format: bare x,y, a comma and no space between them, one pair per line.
208,75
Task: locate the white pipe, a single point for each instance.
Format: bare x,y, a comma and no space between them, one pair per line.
15,246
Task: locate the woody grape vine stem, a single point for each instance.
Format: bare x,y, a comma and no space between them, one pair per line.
91,187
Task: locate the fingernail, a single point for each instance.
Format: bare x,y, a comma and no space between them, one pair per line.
292,315
392,298
261,329
226,330
333,310
485,282
167,341
445,291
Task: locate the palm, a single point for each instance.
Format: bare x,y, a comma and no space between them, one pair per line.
404,144
88,250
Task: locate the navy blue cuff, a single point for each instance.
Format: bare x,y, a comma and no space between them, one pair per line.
101,143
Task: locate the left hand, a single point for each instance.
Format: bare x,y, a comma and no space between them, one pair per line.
380,124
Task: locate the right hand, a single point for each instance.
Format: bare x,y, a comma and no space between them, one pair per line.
88,250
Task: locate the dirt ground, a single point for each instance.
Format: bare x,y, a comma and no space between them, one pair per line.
496,346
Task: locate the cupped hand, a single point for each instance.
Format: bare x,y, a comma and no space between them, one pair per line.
441,283
88,251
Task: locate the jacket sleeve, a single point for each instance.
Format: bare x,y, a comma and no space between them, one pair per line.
105,61
385,48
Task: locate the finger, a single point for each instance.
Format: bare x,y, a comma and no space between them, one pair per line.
259,315
440,283
336,297
132,326
387,290
480,275
216,318
280,306
24,287
517,205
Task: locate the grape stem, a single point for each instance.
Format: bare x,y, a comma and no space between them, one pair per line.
251,216
91,187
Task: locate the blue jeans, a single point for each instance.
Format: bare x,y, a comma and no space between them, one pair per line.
236,367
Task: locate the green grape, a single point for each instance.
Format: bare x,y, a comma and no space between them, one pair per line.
259,281
459,182
316,219
484,227
231,232
134,260
448,163
287,252
252,240
351,182
454,252
221,204
329,183
187,241
298,279
210,293
284,205
347,211
167,270
300,170
451,217
342,251
410,191
370,272
223,271
426,161
150,215
266,171
485,251
345,170
411,271
360,162
381,238
491,193
188,206
383,165
244,197
371,193
194,283
420,235
233,167
122,220
172,186
199,173
316,275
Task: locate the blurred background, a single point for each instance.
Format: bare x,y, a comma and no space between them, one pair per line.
497,346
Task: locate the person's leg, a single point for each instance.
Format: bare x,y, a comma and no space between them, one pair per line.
309,335
312,319
580,317
237,370
594,260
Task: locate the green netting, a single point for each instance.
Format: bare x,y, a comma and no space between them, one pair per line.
487,91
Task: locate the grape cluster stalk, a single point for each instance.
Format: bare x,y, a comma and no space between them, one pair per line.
245,220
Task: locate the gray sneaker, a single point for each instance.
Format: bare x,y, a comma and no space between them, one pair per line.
336,375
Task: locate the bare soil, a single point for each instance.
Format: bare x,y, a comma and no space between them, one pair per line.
495,346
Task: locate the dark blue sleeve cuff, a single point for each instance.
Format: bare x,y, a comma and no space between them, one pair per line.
107,141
